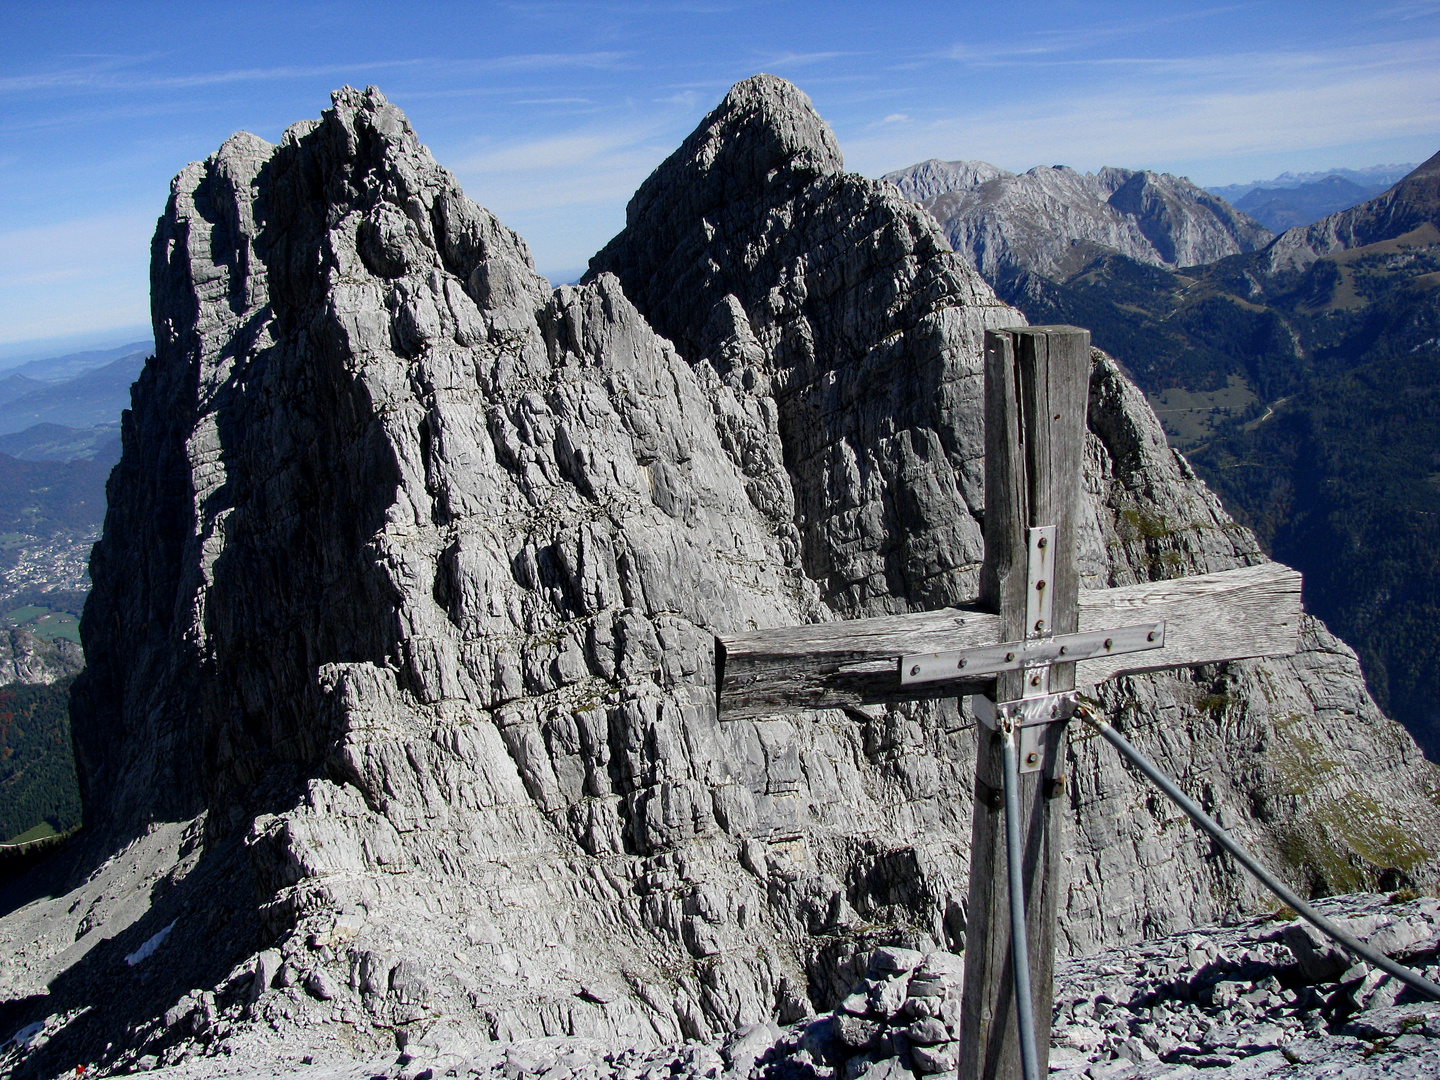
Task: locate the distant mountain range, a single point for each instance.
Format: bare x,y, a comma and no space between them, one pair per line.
1287,208
1301,376
1372,176
1051,222
68,407
95,397
1293,199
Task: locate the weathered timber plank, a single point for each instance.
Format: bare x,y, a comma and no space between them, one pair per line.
1230,615
1252,611
1037,383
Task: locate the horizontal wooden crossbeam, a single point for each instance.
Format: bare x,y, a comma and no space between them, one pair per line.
1231,615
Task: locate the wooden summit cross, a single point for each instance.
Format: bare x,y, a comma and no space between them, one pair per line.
1018,648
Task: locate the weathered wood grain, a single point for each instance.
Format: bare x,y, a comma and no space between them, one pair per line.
1230,615
1037,384
1252,611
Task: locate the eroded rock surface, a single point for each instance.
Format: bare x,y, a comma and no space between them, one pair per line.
34,661
409,580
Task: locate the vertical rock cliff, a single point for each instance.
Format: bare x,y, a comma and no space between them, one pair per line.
412,565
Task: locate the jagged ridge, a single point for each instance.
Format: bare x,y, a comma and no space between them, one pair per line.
1052,222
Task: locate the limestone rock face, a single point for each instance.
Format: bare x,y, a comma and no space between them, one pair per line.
1051,222
847,334
408,586
27,659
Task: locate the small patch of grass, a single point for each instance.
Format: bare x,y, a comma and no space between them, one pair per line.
39,832
43,622
58,624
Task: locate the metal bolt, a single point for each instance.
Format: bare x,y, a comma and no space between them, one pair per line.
1009,656
1109,642
1032,758
1040,585
1034,680
1064,649
1150,636
962,662
916,669
1054,711
1043,542
1039,625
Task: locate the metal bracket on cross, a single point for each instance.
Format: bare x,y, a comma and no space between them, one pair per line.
1027,716
1041,648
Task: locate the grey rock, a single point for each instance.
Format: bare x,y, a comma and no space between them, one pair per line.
408,982
747,1044
322,985
1320,958
889,961
856,1032
927,1032
267,966
935,1059
886,1069
887,997
1051,222
33,661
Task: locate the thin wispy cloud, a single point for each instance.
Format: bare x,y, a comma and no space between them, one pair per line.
793,60
1363,95
113,78
117,77
43,269
69,250
579,151
1072,39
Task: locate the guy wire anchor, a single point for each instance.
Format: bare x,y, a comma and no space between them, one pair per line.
1028,717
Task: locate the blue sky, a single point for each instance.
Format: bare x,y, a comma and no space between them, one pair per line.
551,113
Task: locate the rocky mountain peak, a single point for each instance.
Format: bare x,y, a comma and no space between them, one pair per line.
765,133
1053,221
935,177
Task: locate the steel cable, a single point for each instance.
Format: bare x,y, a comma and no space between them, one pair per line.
1019,944
1346,941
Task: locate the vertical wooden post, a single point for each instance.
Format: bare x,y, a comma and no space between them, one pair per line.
1036,390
